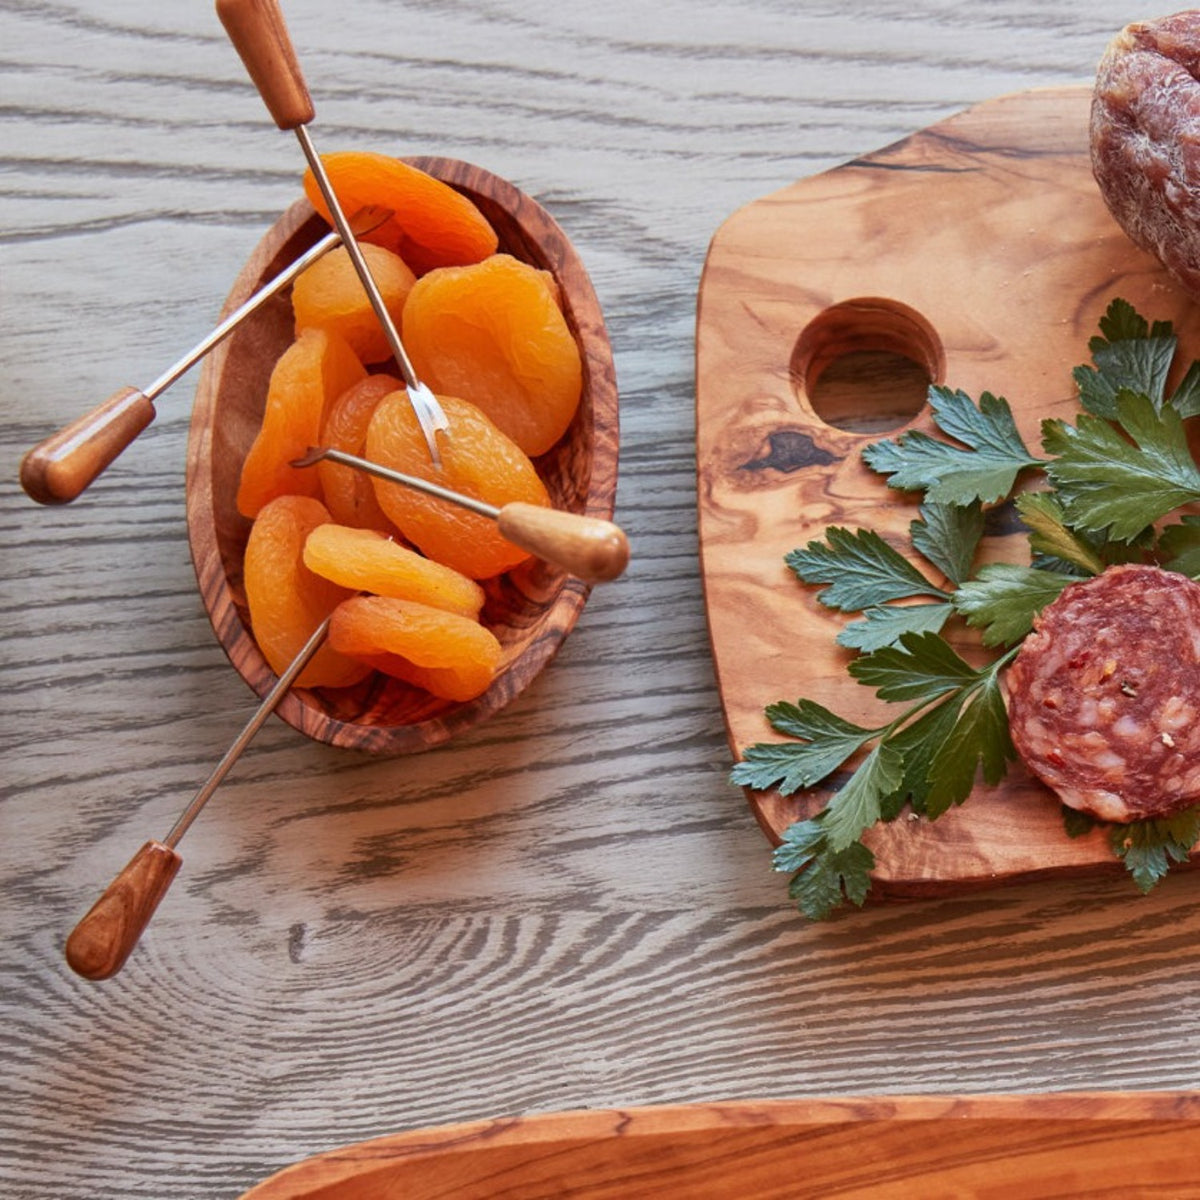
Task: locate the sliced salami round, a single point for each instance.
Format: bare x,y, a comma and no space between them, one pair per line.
1104,695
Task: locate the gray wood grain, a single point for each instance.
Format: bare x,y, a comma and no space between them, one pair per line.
570,907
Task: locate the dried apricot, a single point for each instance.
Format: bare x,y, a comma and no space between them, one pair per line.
493,333
367,561
433,225
477,460
348,493
287,601
430,639
313,371
330,295
447,683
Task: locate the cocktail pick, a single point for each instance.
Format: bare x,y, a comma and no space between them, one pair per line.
257,30
102,941
593,549
63,465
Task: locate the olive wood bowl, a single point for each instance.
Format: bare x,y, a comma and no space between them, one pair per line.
858,1148
530,609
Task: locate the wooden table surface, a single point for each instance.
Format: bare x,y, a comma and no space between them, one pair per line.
570,907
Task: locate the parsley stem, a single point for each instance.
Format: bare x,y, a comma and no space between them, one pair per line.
983,677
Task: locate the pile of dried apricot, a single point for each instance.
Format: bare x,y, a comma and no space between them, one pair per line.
398,570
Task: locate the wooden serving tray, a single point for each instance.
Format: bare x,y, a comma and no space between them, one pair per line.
857,1149
980,249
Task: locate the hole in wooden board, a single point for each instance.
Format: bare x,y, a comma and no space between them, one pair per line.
866,365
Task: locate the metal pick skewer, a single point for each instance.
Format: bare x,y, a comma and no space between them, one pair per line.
106,936
257,30
63,465
593,549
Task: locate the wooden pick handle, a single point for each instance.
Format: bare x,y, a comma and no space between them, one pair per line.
258,33
588,547
56,470
104,939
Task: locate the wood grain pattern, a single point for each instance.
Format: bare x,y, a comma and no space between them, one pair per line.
981,249
567,907
1081,1145
530,609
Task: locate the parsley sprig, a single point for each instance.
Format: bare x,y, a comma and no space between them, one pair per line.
1111,479
984,467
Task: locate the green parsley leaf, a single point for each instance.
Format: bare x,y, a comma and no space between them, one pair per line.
1180,546
1132,354
861,569
882,626
1129,356
1106,483
1123,322
1149,847
823,878
922,667
858,804
827,741
809,720
801,843
918,744
948,474
1004,598
979,741
1185,400
1049,534
948,536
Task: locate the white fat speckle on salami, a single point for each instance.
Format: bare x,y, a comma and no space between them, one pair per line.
1104,695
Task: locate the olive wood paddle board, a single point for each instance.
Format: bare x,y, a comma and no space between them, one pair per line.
1082,1144
981,253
